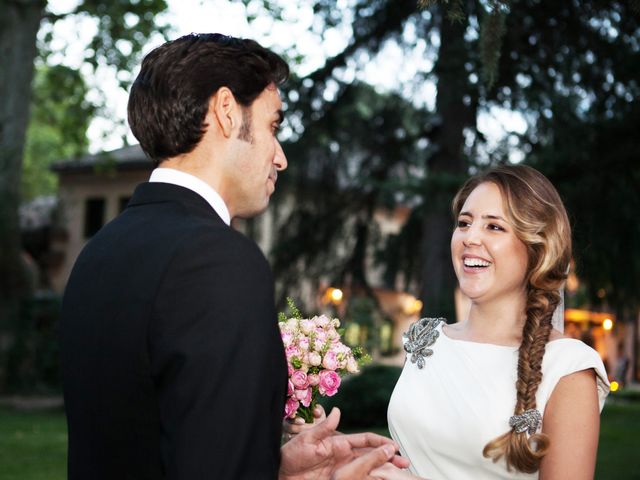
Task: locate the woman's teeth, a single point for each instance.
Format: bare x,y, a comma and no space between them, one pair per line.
475,262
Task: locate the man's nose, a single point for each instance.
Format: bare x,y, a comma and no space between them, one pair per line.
279,159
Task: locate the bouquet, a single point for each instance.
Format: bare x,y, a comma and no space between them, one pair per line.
316,358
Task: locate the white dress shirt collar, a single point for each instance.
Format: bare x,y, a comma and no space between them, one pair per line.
186,180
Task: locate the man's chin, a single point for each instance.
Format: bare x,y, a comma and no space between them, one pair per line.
253,212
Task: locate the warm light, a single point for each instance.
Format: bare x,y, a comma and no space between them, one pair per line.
332,295
336,295
614,386
572,282
411,305
607,324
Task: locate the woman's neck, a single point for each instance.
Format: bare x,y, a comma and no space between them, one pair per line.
498,322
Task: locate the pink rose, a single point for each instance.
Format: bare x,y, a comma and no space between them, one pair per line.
306,326
289,369
289,388
352,365
291,407
320,339
315,359
292,351
329,383
299,379
314,379
303,343
304,396
287,338
322,321
291,325
330,360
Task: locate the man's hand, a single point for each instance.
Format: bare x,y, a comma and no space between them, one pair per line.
390,472
321,452
292,427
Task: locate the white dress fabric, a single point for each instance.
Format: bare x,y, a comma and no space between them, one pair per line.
443,414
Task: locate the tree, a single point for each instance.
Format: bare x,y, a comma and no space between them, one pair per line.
123,28
60,116
519,56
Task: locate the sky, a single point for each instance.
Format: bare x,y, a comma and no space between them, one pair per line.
186,16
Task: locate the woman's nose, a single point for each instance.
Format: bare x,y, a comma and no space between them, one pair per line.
473,236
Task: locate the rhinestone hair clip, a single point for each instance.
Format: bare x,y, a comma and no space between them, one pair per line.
528,421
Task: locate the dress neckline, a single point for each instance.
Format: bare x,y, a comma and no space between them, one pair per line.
479,344
485,344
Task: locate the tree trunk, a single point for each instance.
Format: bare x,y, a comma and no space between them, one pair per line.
445,170
19,24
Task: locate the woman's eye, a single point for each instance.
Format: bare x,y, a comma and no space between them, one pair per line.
463,223
493,226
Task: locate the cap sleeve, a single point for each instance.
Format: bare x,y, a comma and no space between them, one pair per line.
564,357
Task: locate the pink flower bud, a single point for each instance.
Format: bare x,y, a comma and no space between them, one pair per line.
352,365
304,396
322,321
303,343
291,407
315,359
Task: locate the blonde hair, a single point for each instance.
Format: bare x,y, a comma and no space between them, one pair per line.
540,221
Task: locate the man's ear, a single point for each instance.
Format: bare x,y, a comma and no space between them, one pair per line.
224,110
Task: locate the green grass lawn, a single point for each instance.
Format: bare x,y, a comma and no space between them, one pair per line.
33,444
619,447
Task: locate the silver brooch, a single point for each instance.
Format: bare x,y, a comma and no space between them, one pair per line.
528,421
420,337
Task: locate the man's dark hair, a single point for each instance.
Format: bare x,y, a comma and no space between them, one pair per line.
170,97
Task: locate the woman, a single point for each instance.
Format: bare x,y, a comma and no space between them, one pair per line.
502,394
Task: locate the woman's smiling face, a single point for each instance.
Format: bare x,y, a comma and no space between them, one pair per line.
490,261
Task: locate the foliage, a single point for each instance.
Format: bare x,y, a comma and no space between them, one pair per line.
60,116
363,399
34,359
567,68
122,29
598,178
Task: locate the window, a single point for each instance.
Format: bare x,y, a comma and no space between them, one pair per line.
93,216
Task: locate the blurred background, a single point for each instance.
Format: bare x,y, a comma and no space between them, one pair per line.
392,104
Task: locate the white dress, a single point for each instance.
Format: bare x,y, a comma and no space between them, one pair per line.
442,415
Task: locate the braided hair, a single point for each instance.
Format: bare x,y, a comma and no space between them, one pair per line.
540,221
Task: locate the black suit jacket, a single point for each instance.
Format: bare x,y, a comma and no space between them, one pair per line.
173,366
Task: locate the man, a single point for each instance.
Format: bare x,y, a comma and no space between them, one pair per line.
173,365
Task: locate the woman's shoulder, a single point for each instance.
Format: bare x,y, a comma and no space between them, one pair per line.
566,355
420,337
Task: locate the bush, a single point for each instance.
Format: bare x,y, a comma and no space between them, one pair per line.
363,399
34,358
